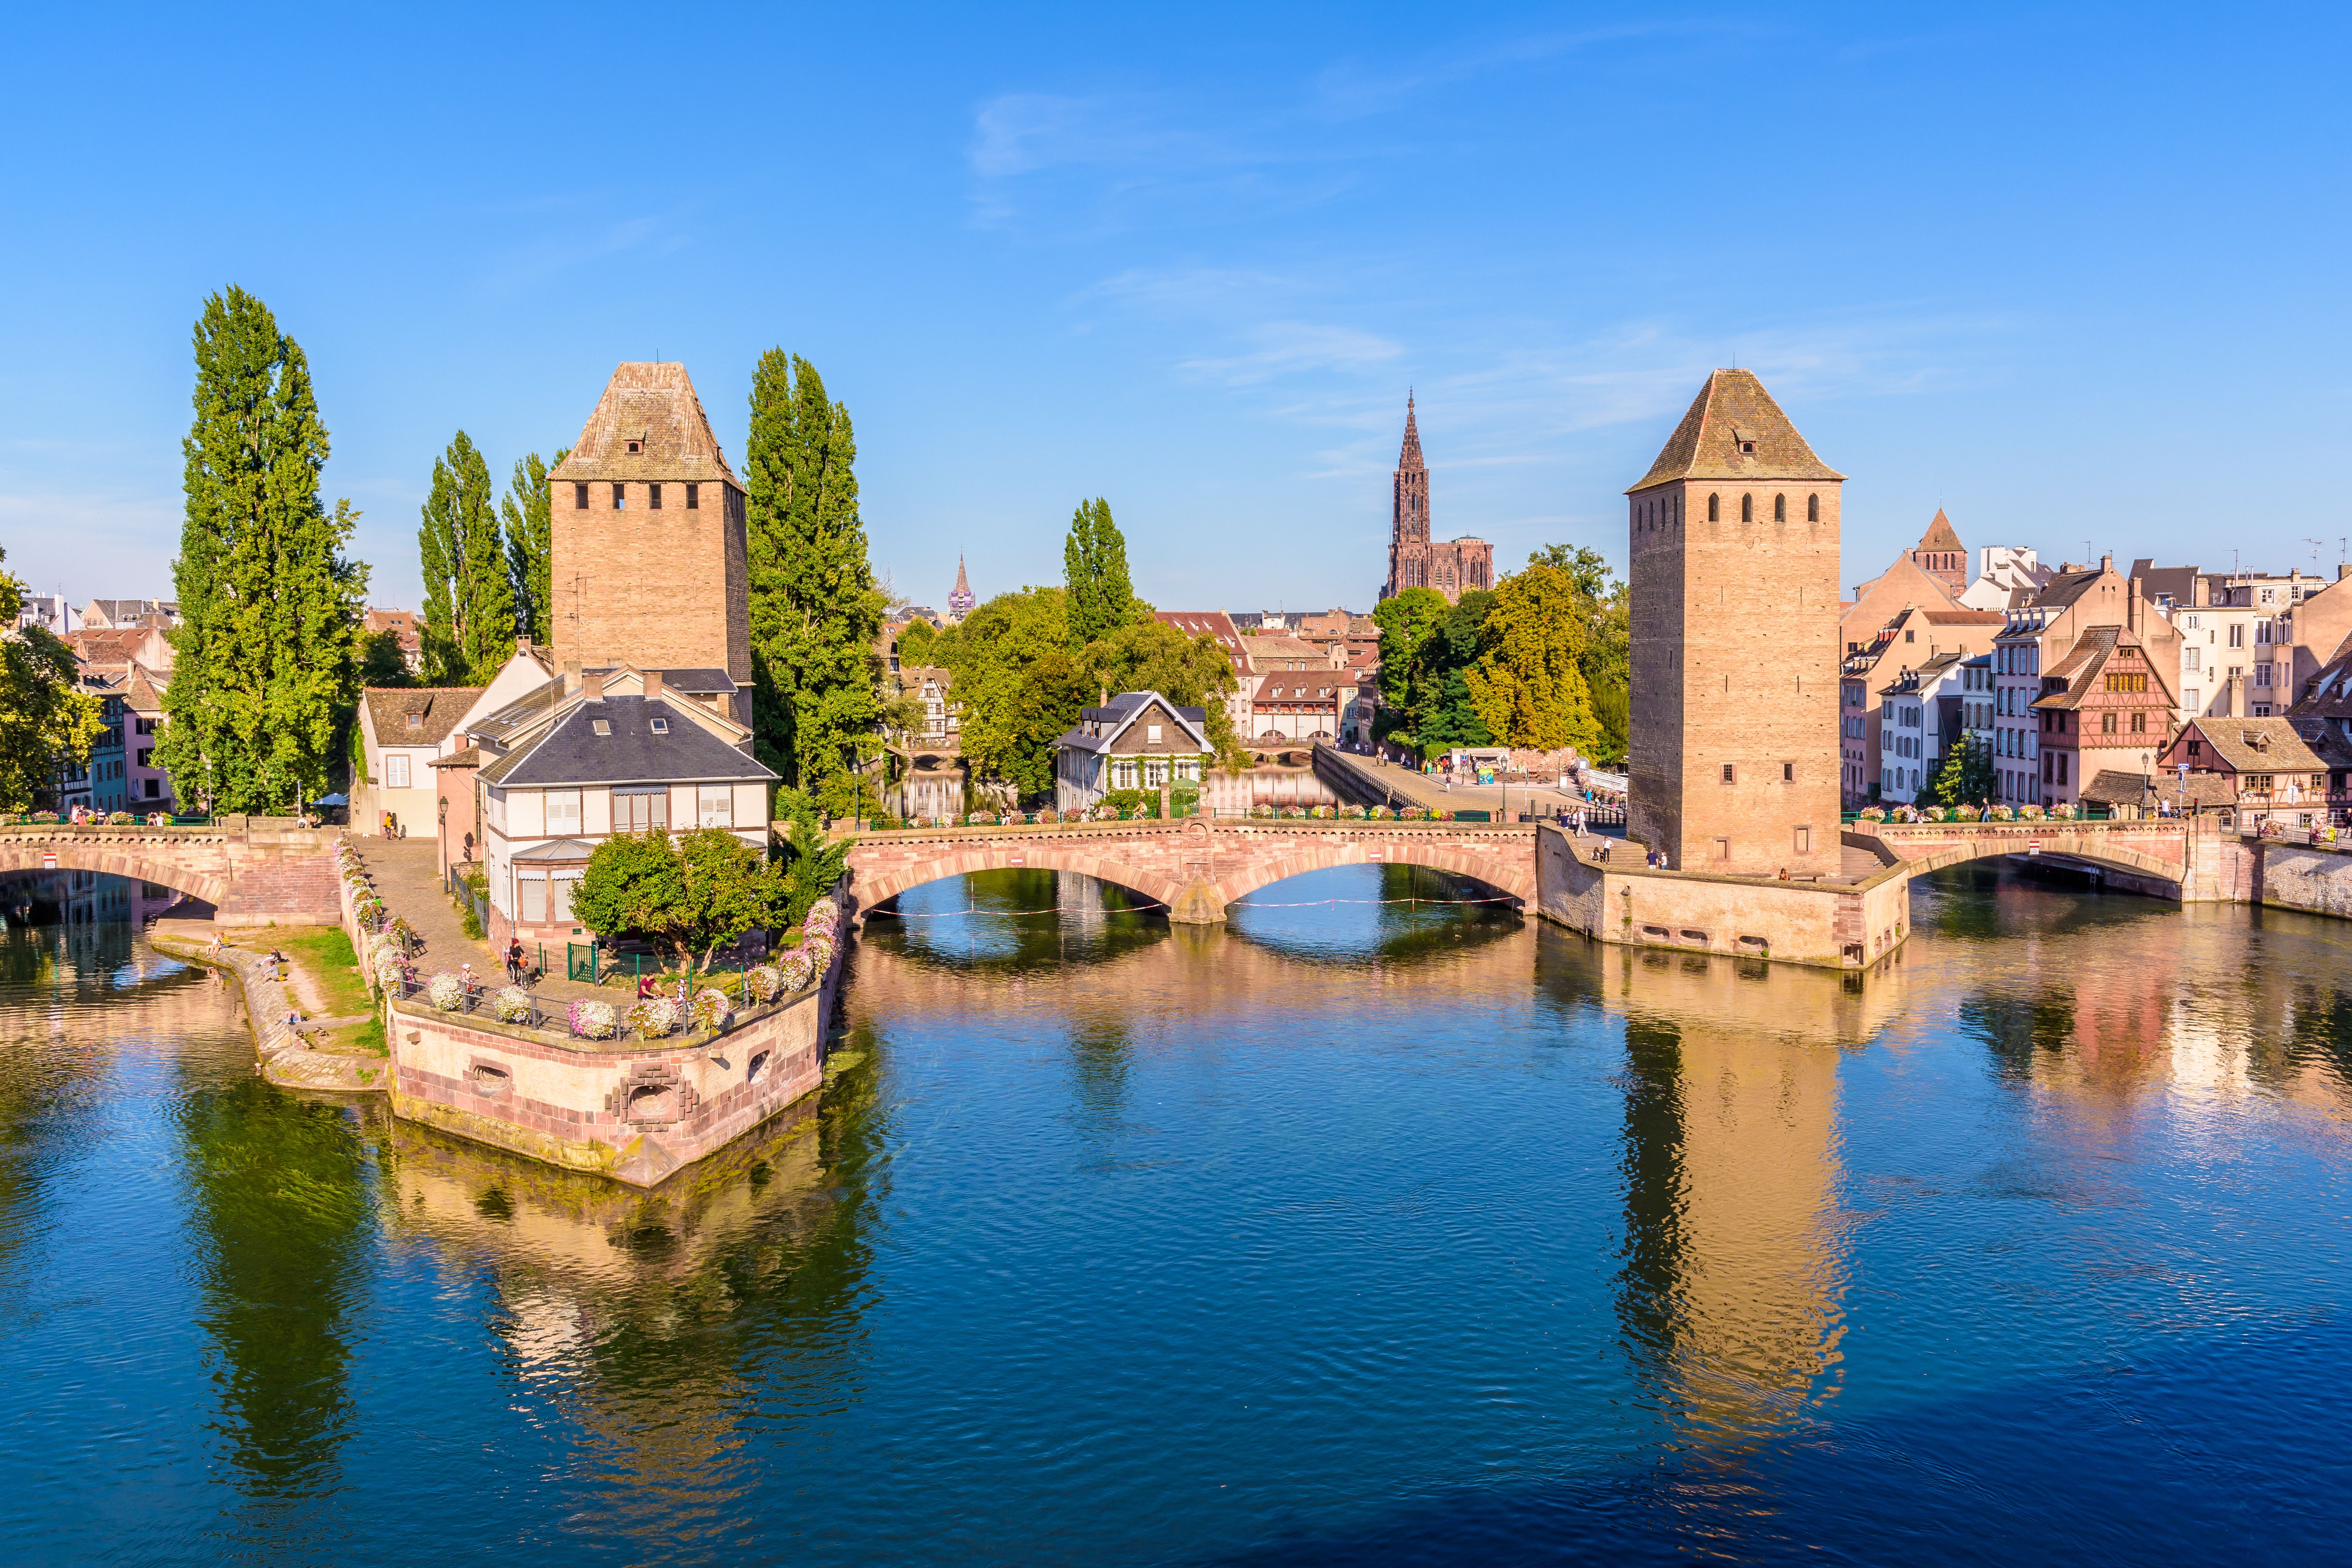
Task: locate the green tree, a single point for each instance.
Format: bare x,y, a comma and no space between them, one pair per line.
1528,683
382,661
1149,654
1409,622
46,720
1094,569
634,885
1606,660
469,612
916,644
730,889
815,612
1018,686
265,660
1967,777
527,512
812,864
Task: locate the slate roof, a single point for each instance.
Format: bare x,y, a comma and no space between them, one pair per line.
700,683
471,757
1120,713
1731,409
571,752
440,708
653,404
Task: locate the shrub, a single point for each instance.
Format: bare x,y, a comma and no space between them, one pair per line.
445,991
1874,813
654,1017
823,918
1049,815
511,1005
795,970
1261,810
1105,814
592,1020
1292,813
2000,814
388,970
1322,812
2030,813
1352,813
42,816
2064,811
981,819
119,819
820,954
1410,814
763,982
710,1010
1383,814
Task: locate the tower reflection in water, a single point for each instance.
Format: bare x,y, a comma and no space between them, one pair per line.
1734,1260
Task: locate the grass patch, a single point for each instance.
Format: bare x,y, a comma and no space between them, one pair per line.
324,953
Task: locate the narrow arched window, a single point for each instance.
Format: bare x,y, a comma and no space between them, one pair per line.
1748,508
1812,509
1714,512
1780,509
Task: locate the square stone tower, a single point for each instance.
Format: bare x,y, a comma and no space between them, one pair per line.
1734,760
647,562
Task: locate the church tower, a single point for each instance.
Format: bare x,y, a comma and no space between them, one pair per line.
1734,674
646,562
960,598
1415,560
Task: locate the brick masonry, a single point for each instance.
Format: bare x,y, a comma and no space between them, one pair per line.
253,871
2167,857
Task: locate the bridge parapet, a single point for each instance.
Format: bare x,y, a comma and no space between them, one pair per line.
2176,857
1195,865
252,870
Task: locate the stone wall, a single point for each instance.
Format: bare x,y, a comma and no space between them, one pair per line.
2315,878
253,871
1842,925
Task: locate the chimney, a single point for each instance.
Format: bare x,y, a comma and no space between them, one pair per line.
591,686
570,678
2343,570
2107,562
2199,593
2131,608
652,684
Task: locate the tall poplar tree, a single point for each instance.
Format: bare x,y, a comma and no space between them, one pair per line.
1094,571
815,612
529,520
470,613
267,657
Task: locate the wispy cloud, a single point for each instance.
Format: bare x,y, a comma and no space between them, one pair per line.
530,262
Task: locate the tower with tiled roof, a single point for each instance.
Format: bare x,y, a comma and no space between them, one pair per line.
647,562
1734,579
1941,555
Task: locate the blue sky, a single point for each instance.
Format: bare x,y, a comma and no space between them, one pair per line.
2075,274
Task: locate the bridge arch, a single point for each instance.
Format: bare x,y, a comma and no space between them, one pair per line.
879,883
1508,873
165,865
1928,850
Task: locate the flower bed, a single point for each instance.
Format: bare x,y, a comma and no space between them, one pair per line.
511,1005
592,1020
445,991
654,1017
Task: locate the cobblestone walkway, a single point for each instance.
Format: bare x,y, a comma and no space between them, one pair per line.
411,888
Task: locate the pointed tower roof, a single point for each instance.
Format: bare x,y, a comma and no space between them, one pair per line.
652,407
963,584
1410,457
1735,431
1940,534
960,598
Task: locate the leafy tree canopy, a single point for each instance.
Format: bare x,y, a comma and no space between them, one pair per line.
1967,777
1094,570
812,864
468,624
1528,681
382,661
526,514
265,660
1607,660
1017,684
1148,655
916,642
692,894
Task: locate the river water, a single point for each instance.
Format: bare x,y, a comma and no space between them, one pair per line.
1359,1231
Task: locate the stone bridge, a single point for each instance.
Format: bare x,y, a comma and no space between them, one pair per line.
1195,866
2189,860
253,871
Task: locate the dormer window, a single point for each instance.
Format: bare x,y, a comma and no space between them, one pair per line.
417,720
636,448
1747,448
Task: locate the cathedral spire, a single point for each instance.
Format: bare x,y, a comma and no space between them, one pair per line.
1410,457
961,598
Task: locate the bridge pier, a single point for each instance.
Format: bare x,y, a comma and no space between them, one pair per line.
1199,904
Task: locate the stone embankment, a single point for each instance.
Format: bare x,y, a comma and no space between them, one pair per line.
289,1055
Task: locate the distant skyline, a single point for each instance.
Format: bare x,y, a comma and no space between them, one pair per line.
2070,275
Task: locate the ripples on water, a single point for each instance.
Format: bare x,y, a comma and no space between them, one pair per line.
1373,1231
